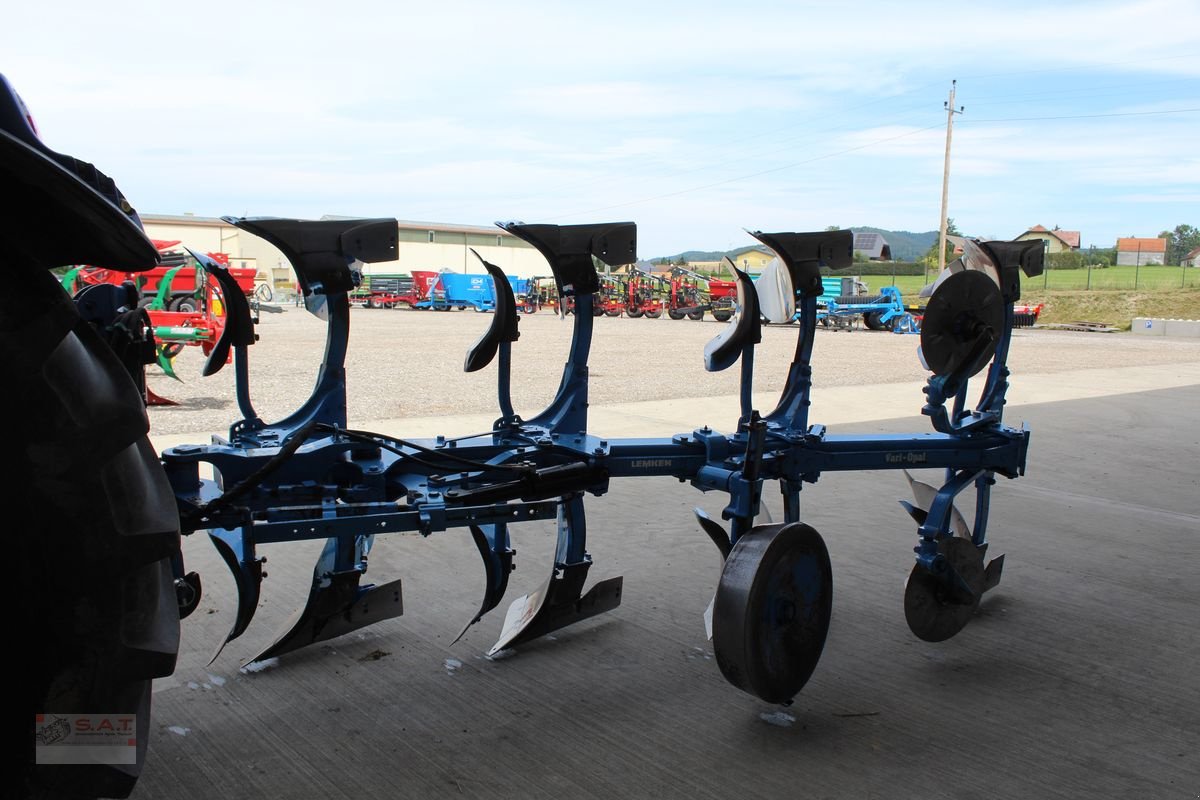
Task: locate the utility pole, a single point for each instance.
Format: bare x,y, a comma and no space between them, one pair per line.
950,112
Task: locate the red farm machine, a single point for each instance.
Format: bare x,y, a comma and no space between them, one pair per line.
645,293
390,291
183,306
183,290
691,294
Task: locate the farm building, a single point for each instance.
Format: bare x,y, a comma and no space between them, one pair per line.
753,258
1134,251
873,246
421,246
1059,241
1192,259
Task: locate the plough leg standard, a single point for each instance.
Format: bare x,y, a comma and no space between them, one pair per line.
309,476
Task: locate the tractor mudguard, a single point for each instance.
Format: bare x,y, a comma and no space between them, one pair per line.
61,210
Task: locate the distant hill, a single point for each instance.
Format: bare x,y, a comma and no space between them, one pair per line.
906,246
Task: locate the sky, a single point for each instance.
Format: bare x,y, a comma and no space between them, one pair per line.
696,120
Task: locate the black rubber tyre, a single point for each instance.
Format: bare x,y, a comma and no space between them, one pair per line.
772,610
673,314
633,313
184,303
722,316
695,315
653,313
96,612
597,310
613,312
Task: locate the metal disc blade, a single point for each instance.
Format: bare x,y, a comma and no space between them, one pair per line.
772,610
963,324
932,611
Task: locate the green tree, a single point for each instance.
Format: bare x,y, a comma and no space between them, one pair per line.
1068,259
931,255
1100,256
1181,241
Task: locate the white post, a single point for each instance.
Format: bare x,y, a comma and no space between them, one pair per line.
950,112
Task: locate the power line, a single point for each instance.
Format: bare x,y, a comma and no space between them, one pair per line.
1093,65
1103,90
1092,116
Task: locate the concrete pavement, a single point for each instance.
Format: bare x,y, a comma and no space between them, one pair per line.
1077,679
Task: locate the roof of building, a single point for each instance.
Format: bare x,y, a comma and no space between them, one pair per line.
439,227
873,246
1069,238
754,248
1193,253
1132,244
182,219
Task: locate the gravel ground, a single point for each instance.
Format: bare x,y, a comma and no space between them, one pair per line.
406,363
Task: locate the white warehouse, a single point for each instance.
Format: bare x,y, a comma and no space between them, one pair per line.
421,246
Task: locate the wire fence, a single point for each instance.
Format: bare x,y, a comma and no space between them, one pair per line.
1151,278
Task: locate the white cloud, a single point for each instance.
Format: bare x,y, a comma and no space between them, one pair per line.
694,117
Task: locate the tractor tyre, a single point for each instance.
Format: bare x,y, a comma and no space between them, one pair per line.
184,303
613,312
722,316
696,315
96,614
633,313
673,314
653,313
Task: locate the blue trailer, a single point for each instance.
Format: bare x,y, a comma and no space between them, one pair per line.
462,291
883,311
